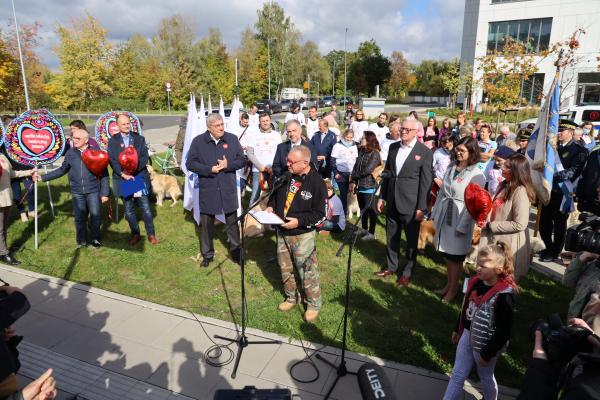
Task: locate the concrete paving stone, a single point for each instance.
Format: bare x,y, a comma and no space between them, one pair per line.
255,357
178,396
103,313
278,370
109,386
66,304
347,387
188,376
45,330
136,360
242,380
90,346
37,291
145,391
189,338
146,325
411,386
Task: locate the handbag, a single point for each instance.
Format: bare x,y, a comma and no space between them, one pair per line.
9,385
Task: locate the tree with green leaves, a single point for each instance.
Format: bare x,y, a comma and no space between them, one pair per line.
369,68
400,79
85,56
252,73
213,65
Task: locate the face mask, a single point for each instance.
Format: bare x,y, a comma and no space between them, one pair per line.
586,131
347,143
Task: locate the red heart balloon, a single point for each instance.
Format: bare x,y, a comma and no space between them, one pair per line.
96,161
128,159
478,202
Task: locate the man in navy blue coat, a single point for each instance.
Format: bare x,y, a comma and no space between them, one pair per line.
323,141
215,156
116,145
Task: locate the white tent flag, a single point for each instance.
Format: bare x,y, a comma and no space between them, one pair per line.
222,108
210,109
201,128
234,117
191,131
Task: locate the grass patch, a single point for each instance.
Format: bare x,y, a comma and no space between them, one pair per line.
406,325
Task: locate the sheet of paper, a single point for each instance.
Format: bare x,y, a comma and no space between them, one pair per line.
266,217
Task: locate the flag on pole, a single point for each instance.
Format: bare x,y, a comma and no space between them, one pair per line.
541,150
210,109
201,128
222,108
234,117
191,132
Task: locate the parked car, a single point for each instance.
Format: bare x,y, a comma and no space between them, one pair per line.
285,105
343,100
269,106
578,114
327,100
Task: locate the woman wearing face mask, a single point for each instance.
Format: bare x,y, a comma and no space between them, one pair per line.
343,157
587,136
359,125
509,218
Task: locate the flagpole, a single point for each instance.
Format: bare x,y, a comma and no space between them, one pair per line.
21,56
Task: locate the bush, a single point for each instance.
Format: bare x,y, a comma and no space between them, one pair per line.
106,104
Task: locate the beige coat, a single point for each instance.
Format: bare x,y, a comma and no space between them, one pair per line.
6,196
509,223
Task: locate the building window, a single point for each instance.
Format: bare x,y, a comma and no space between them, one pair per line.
532,89
533,33
588,88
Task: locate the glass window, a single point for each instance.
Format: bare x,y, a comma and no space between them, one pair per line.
523,31
491,46
532,89
534,33
591,115
545,33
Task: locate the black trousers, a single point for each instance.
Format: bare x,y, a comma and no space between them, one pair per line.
369,218
394,224
207,232
553,223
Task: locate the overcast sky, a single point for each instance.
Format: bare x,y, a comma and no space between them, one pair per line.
421,29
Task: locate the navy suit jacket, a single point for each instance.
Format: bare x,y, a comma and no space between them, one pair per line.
218,192
324,147
116,147
280,160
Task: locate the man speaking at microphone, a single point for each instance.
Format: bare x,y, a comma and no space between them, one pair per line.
405,192
300,201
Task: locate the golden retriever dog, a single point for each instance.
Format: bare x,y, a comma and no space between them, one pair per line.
163,186
426,234
353,207
253,228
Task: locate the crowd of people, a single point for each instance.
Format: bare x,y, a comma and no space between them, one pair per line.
408,171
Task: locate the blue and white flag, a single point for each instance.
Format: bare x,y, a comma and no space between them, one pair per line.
541,150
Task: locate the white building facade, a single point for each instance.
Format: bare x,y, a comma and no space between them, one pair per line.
539,23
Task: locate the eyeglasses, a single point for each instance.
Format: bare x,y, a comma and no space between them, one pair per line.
407,129
290,162
461,151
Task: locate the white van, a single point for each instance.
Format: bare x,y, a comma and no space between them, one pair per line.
577,114
292,93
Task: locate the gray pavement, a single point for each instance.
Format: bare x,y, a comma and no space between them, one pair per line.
104,345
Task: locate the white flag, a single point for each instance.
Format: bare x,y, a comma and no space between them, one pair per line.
201,128
191,132
210,109
234,117
222,109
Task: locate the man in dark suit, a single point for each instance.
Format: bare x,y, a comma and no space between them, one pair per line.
215,156
323,141
116,145
294,134
406,193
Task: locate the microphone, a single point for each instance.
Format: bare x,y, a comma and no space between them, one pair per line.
374,383
385,174
281,180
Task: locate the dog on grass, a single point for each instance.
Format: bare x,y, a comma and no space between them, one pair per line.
353,207
164,186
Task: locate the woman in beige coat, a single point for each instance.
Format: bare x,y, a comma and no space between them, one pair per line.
509,219
6,200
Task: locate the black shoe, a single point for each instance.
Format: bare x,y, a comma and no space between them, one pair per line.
547,257
205,262
10,260
236,257
81,245
96,244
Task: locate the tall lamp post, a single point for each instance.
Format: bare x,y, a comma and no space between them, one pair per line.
345,67
318,90
333,80
168,85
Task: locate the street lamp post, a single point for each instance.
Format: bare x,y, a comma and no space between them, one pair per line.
168,85
345,67
269,57
318,90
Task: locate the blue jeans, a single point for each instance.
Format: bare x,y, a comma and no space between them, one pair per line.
343,185
144,205
16,189
84,204
331,227
255,189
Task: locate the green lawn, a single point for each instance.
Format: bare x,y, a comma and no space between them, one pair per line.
406,325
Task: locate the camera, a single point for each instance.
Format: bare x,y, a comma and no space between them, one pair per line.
585,236
561,343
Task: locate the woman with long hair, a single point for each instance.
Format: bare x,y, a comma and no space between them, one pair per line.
453,224
509,219
363,182
431,134
446,128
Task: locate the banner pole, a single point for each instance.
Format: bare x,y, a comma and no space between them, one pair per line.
35,200
49,194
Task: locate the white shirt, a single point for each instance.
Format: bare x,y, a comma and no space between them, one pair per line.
403,153
345,157
264,145
385,147
253,119
337,209
298,117
359,128
312,127
441,160
379,132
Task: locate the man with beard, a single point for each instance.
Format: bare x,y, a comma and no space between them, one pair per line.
380,128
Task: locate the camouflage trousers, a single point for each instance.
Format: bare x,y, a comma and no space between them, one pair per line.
297,257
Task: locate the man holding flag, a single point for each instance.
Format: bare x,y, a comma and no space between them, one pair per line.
569,164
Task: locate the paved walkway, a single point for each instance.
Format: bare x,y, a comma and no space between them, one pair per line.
103,345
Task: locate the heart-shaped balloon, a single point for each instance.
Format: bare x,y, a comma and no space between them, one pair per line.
478,202
128,159
96,161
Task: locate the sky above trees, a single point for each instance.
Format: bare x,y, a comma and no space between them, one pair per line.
424,29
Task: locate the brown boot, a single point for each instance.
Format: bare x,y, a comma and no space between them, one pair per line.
310,316
286,306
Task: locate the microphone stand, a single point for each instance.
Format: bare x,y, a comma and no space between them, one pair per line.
350,240
242,340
